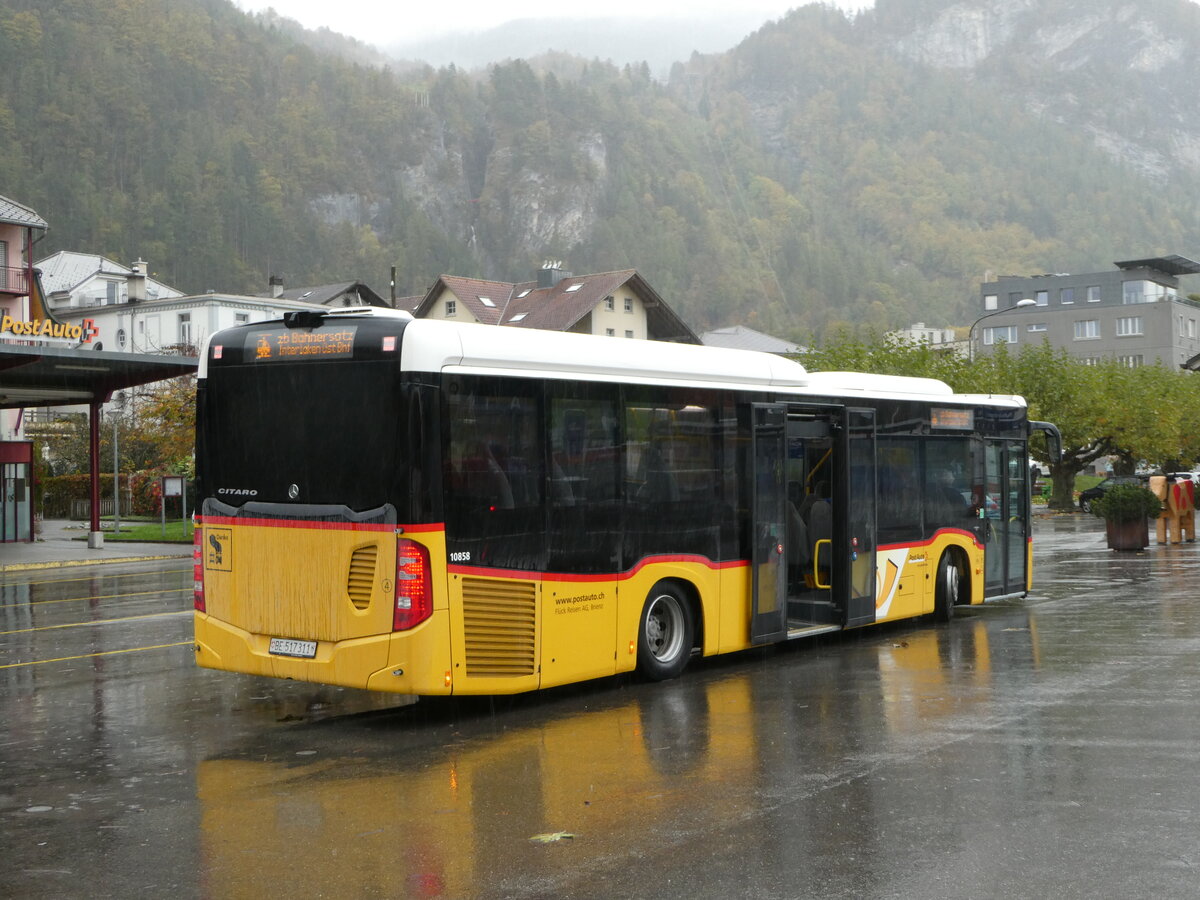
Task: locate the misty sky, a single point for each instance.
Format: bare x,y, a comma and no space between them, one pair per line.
385,23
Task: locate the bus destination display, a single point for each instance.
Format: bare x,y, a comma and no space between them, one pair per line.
295,344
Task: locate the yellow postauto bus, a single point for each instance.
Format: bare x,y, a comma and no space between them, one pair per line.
427,507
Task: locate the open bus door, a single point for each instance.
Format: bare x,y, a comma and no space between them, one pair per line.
768,513
813,519
859,483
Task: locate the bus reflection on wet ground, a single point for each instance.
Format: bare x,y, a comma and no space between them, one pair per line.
629,777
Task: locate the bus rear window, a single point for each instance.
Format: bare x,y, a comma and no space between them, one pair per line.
303,433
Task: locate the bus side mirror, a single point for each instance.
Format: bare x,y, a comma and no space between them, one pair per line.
1053,439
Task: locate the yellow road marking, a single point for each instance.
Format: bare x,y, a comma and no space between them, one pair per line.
100,597
38,662
181,612
94,577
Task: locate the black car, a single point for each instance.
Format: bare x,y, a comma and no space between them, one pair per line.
1094,493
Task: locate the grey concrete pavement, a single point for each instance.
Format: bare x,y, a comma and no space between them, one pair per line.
64,543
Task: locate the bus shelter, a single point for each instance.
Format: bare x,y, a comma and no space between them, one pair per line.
34,376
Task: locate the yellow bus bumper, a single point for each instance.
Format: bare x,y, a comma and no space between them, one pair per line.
409,662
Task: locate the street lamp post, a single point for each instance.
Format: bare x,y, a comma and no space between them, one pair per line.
971,334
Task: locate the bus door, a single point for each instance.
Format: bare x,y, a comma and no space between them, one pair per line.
859,486
768,514
803,574
1006,511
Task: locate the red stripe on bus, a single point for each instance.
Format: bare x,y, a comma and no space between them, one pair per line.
939,533
322,526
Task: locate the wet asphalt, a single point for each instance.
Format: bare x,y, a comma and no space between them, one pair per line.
1045,747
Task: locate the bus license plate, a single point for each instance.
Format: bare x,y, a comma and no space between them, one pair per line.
289,647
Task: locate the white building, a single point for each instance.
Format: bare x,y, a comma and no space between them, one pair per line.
132,312
936,338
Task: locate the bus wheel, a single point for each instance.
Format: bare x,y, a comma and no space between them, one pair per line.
948,591
665,633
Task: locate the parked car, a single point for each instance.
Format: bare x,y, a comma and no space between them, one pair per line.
1094,493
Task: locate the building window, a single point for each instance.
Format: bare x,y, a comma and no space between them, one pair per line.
1000,334
990,301
1093,293
451,308
241,318
1145,292
609,303
1191,328
610,332
1066,296
628,333
121,337
1131,362
1087,329
629,304
1091,360
185,328
1014,298
110,293
1042,298
1129,325
1038,326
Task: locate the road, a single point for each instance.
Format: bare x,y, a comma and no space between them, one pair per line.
1042,747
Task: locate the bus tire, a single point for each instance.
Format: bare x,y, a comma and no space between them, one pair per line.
948,590
665,633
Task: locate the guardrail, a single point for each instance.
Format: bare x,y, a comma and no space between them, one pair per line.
14,280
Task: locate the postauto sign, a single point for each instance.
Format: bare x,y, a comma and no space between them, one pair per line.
48,329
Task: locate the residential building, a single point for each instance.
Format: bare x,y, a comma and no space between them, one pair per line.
937,338
739,337
346,293
88,281
1135,314
134,313
20,228
617,304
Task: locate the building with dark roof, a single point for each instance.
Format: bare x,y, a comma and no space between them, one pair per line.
1135,314
345,293
617,304
739,337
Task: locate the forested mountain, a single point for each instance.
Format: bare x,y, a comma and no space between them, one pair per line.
826,171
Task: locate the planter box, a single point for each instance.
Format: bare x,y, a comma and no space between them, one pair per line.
1133,535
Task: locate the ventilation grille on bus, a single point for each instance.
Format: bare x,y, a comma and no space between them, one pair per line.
362,575
499,619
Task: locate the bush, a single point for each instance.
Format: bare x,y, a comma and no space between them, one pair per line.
1127,503
59,490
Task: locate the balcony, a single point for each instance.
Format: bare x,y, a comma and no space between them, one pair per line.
14,281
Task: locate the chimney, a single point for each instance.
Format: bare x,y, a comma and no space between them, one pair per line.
551,273
135,283
276,283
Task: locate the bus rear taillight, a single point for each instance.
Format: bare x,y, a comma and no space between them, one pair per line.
198,569
414,585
